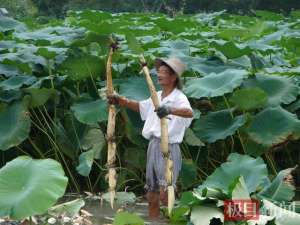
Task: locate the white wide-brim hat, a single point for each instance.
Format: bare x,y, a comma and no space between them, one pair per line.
174,63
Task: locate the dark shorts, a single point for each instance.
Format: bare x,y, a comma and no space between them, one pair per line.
155,169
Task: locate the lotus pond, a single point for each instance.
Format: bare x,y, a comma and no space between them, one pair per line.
243,83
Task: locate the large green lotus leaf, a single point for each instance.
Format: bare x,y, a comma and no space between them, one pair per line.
121,198
136,88
94,139
9,96
179,214
258,62
91,15
249,98
187,198
90,112
254,171
265,49
15,124
188,173
279,70
274,125
40,96
191,139
175,26
217,125
67,145
209,193
9,70
23,56
143,30
71,133
6,45
208,17
29,53
279,190
102,40
86,66
254,149
243,62
92,143
105,28
254,30
70,208
7,23
177,47
29,187
295,14
230,49
86,160
16,82
278,88
202,215
232,34
125,218
215,84
53,34
283,216
291,43
133,44
205,66
57,54
268,15
239,189
46,53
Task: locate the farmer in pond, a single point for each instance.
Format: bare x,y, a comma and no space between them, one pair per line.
174,105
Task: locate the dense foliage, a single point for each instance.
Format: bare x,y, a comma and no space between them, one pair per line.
57,8
242,80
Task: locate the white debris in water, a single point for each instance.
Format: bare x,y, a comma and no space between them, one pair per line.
108,218
142,203
66,219
51,220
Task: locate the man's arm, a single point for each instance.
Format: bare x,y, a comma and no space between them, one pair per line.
164,110
183,112
131,104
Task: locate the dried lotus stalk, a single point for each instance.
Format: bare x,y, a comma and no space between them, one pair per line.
110,133
171,198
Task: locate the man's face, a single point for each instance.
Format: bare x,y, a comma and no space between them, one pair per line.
165,77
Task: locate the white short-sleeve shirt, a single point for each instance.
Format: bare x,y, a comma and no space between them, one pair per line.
176,124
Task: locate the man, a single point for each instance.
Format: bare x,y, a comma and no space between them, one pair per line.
173,104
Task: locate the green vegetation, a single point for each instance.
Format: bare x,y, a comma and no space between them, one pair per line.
58,9
241,79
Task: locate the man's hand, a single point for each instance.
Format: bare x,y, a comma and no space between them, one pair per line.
113,99
163,111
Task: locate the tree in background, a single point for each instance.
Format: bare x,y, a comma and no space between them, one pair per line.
55,8
19,8
276,5
58,8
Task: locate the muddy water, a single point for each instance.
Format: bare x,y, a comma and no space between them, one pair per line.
103,214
